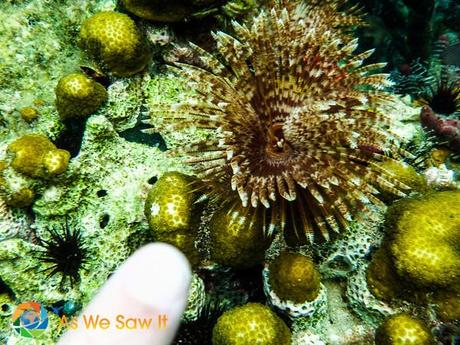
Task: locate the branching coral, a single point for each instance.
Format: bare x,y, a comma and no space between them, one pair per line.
296,118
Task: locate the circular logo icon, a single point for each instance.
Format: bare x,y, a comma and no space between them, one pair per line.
30,319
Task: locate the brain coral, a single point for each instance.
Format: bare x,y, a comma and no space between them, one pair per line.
296,120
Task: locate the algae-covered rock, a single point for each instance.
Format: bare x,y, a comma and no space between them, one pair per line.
403,329
114,41
294,277
425,244
236,239
36,156
250,324
78,96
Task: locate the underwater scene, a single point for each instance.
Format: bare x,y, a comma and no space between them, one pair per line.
230,172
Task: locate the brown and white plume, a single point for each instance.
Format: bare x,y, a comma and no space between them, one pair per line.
294,117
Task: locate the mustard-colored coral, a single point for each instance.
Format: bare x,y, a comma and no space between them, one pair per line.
448,304
22,198
402,329
294,277
426,240
406,174
237,239
114,41
78,96
29,114
250,324
36,156
382,279
171,214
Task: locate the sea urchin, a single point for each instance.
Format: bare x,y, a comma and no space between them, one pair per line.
65,252
296,119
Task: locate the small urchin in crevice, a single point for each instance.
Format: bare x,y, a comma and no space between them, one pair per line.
65,252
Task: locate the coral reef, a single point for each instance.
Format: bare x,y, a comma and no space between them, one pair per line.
282,110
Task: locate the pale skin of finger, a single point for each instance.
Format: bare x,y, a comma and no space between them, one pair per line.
151,285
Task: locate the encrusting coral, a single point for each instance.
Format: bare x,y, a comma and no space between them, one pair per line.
441,110
295,119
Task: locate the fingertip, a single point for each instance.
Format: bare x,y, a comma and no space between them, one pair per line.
157,275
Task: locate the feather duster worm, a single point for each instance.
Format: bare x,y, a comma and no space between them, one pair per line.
295,119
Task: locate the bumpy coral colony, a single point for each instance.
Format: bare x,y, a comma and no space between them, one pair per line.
296,118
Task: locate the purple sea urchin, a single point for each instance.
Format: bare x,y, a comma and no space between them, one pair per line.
295,117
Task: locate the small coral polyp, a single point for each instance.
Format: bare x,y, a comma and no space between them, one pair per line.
297,120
